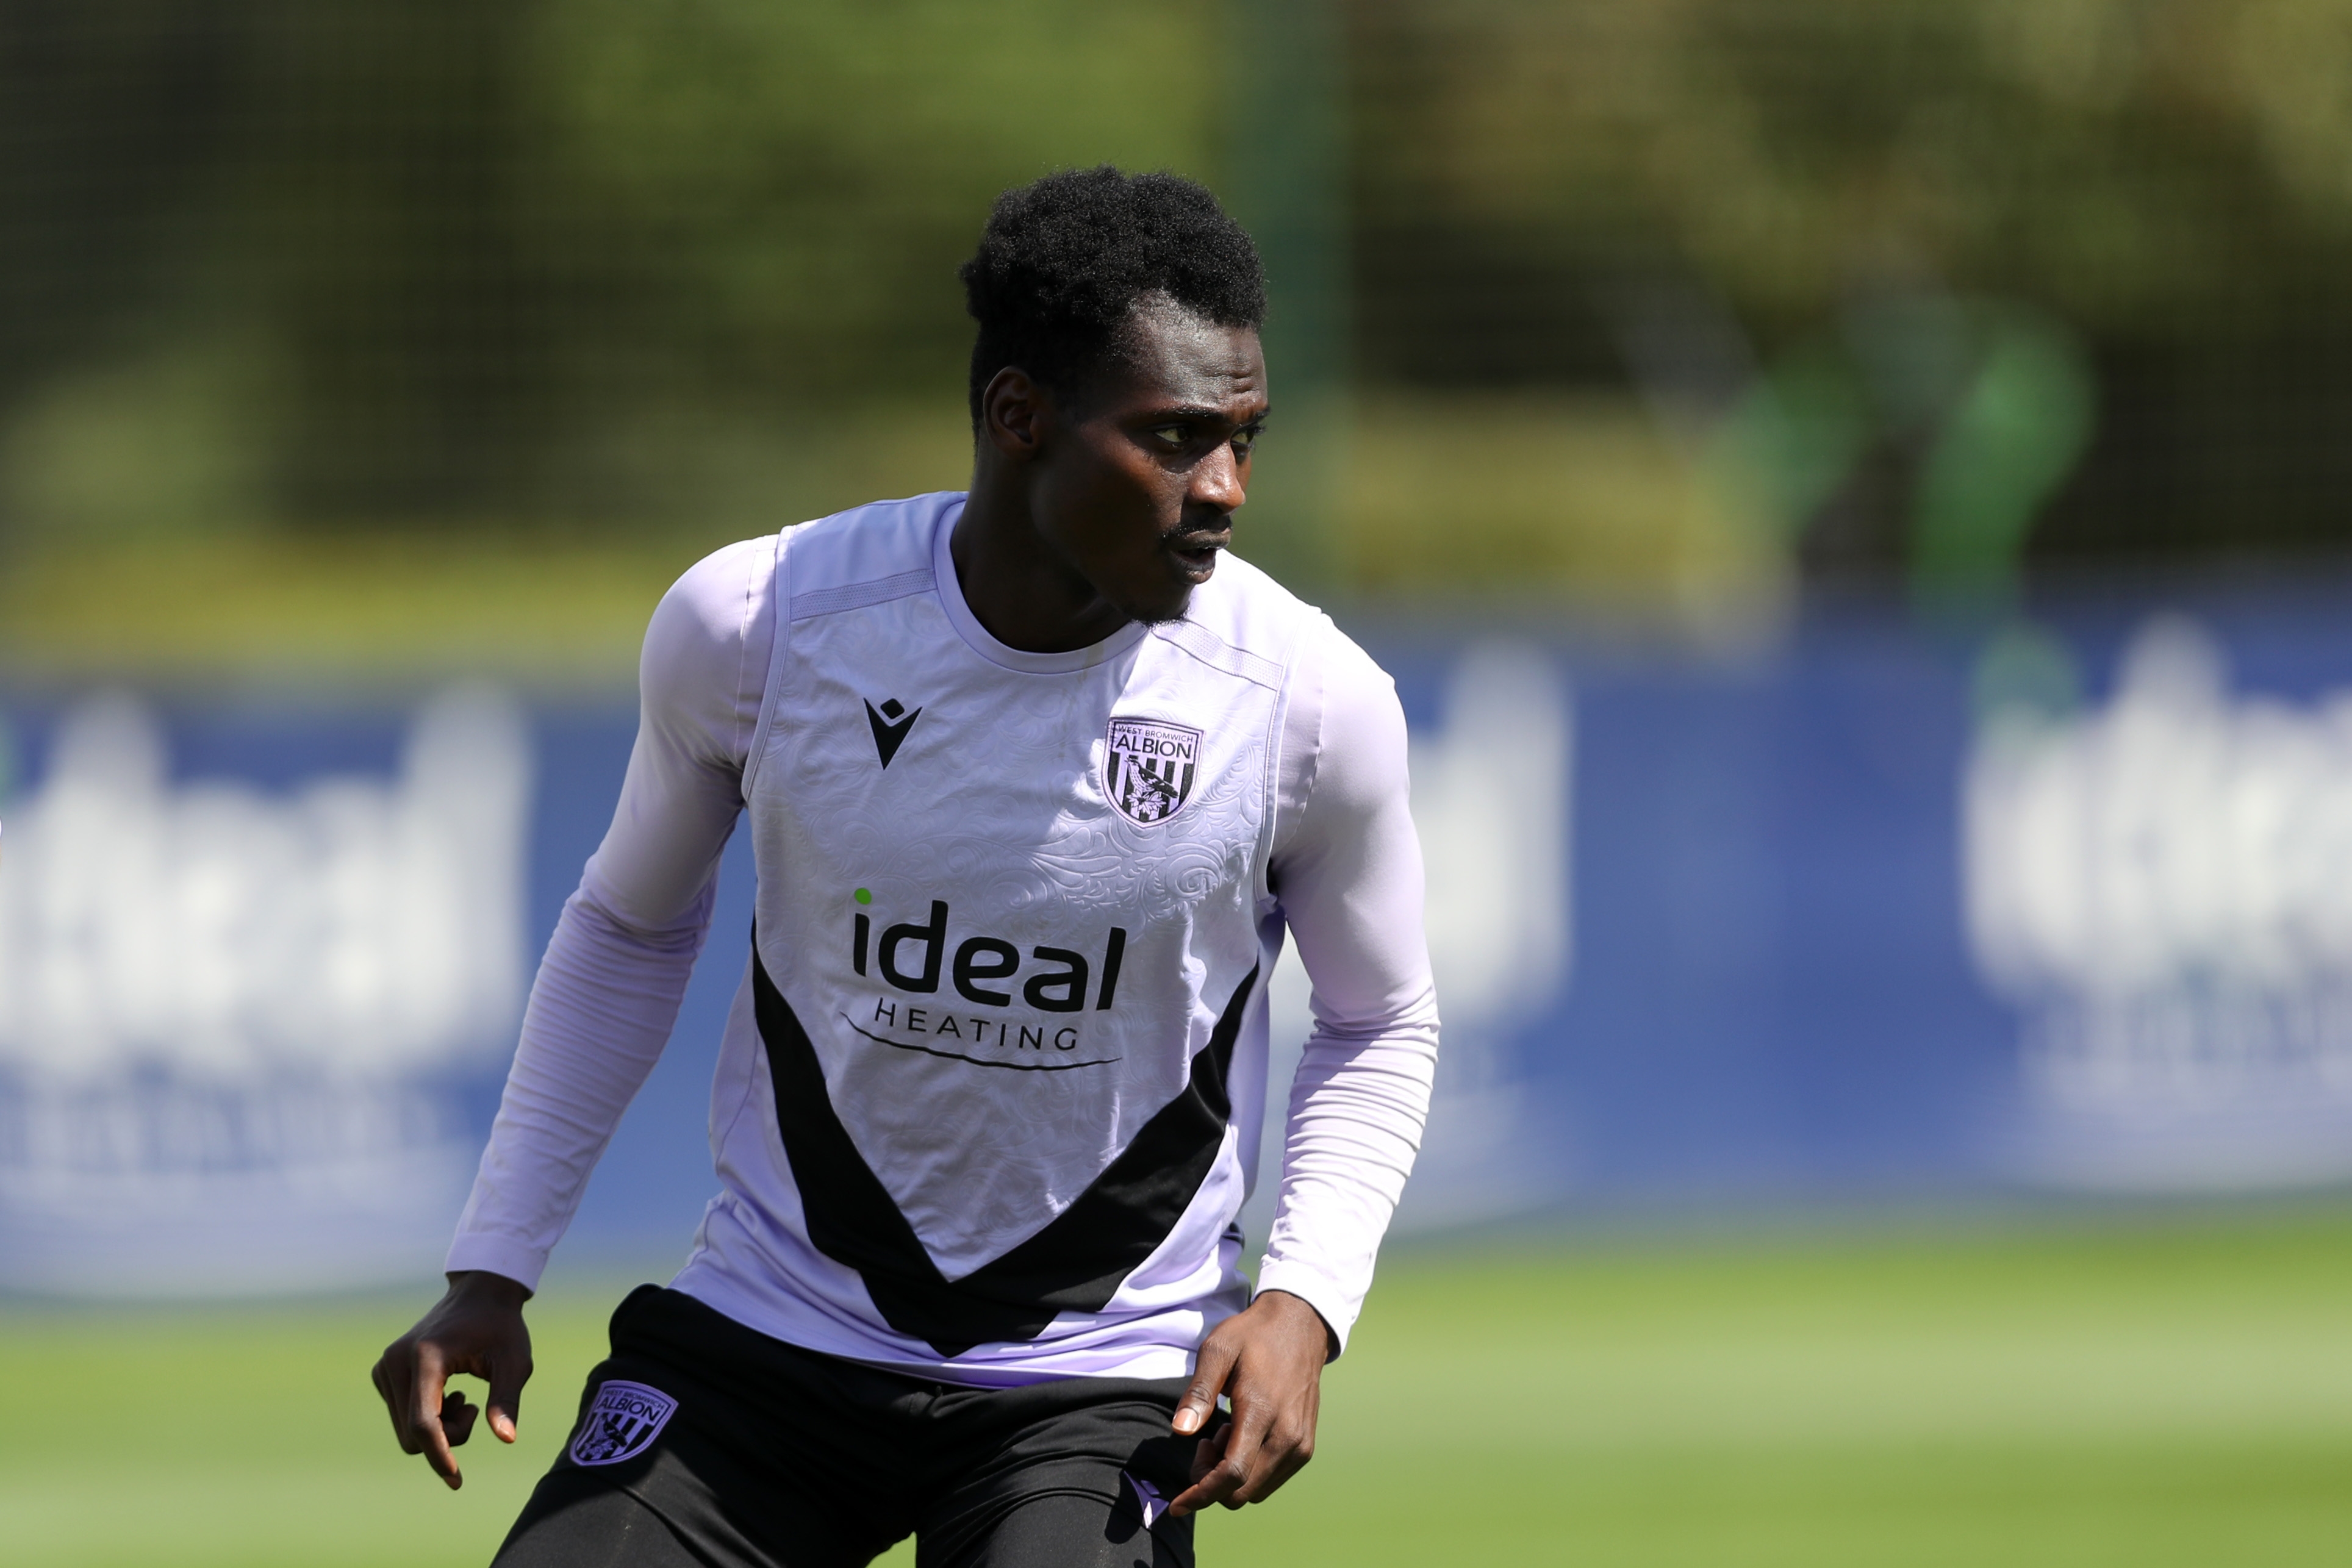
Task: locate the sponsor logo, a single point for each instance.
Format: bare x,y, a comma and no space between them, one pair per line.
1148,1500
2157,885
623,1422
931,957
890,724
943,1025
236,1011
913,957
1149,769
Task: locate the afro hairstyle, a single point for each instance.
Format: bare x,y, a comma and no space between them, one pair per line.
1064,260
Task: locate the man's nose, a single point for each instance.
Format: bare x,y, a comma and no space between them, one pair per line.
1217,480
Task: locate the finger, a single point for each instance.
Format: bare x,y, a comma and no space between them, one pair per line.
1217,1486
1235,1466
1290,1444
1214,1365
1207,1467
458,1418
382,1381
508,1375
1207,1454
395,1376
425,1415
1298,1449
1283,1455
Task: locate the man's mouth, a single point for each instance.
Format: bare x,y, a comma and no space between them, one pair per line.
1198,552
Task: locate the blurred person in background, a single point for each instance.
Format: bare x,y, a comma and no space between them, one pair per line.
1037,786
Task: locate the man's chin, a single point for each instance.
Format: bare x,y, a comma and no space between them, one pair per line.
1163,615
1163,603
1175,600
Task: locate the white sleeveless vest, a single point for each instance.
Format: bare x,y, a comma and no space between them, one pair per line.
992,1090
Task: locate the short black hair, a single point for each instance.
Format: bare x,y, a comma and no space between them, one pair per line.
1064,260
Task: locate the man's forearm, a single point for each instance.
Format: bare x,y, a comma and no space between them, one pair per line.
1356,1116
602,1007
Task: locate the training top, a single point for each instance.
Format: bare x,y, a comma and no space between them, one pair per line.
990,1095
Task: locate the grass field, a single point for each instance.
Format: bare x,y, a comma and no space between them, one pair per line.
2168,1393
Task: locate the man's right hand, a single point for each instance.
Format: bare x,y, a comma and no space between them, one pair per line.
477,1328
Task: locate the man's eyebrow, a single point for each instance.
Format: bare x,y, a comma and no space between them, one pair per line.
1190,411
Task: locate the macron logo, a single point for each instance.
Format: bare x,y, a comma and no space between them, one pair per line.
889,728
1147,1498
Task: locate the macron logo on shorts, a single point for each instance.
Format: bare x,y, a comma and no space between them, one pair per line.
1147,1498
623,1422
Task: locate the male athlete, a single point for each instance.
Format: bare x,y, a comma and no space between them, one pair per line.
1035,784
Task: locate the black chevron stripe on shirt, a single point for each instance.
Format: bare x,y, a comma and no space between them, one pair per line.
1075,1264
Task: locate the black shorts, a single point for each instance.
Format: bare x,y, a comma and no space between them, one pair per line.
701,1442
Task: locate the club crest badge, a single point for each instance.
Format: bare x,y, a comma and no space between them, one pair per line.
1149,769
623,1422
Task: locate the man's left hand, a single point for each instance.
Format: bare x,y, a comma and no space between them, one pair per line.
1269,1362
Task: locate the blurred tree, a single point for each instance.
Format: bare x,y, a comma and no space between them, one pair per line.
1285,160
2145,168
263,224
389,261
565,258
110,114
2173,178
762,207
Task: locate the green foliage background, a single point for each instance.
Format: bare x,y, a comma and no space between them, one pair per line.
639,278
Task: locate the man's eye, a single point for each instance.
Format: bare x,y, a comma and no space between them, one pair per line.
1243,440
1171,436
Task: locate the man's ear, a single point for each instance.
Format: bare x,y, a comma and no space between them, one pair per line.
1014,414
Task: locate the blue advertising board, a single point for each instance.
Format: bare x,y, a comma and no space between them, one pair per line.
1874,911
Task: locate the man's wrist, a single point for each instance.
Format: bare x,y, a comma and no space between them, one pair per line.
1287,1303
483,1285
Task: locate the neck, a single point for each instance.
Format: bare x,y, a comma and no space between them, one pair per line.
1022,590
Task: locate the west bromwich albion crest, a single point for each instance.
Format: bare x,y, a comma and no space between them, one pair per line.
621,1423
1149,769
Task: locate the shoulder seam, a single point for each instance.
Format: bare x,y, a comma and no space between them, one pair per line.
1277,832
1313,770
858,595
1219,654
779,600
743,645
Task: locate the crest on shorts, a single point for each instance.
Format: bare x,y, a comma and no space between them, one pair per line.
622,1421
1149,769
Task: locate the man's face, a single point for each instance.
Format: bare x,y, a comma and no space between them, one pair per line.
1138,496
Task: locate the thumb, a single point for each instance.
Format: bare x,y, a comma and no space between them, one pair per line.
1209,1373
504,1408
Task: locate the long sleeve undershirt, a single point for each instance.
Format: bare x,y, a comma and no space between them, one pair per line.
1346,870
